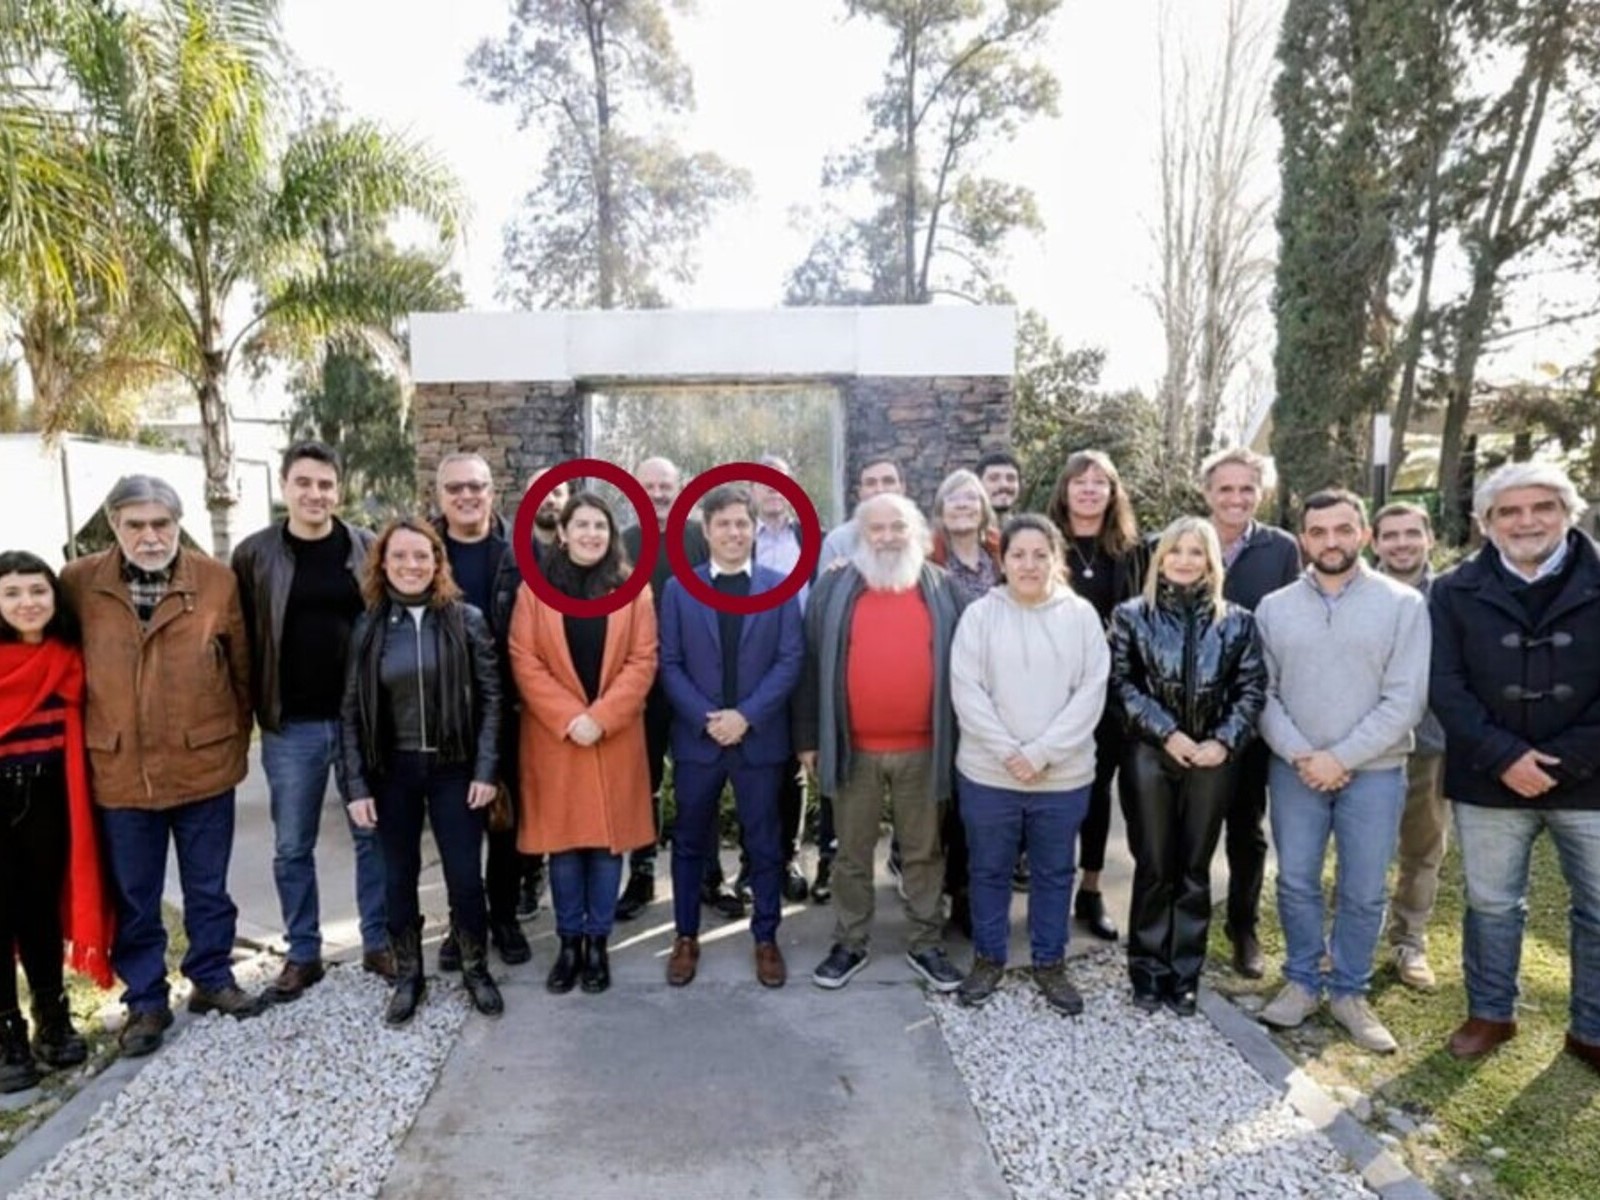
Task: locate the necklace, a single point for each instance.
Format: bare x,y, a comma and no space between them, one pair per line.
1085,562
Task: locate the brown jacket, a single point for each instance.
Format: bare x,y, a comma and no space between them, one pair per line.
167,720
583,797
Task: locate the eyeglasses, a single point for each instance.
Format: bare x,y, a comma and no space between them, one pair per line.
963,498
472,487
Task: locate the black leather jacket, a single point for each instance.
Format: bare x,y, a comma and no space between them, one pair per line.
1179,665
437,686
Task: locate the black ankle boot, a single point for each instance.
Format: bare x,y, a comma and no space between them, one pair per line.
475,975
410,984
55,1042
18,1071
564,971
596,965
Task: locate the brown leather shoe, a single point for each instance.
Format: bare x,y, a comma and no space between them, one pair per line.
1585,1052
685,958
293,981
770,969
380,963
1476,1036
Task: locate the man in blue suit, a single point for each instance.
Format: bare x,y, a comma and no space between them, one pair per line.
728,679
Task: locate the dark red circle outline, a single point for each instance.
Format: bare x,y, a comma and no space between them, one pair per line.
649,539
810,538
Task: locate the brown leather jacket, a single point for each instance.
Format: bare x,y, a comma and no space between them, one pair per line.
167,721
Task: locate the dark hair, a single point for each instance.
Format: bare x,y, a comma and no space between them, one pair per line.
727,496
1401,508
1331,498
875,460
1119,528
375,581
63,625
997,458
1033,523
319,451
587,583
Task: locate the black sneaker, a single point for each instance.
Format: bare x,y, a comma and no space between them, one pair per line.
509,942
822,886
637,896
981,983
18,1071
1057,989
724,900
935,967
528,897
794,883
144,1032
450,952
840,967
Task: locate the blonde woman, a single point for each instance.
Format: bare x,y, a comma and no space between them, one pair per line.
1188,675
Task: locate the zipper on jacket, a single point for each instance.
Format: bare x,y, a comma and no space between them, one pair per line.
422,691
1190,653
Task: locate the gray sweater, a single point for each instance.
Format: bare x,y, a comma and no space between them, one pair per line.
1348,675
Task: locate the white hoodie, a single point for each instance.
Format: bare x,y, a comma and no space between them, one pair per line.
1031,680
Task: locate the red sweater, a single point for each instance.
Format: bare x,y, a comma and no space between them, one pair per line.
889,673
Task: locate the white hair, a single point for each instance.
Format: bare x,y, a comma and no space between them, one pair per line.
892,570
1526,475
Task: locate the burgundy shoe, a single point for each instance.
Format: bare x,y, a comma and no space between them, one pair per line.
1585,1052
1476,1036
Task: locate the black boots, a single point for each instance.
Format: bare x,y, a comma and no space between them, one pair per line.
410,984
596,965
564,971
475,975
18,1071
55,1041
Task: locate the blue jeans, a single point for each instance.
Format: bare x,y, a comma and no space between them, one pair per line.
297,759
583,891
1364,820
996,820
136,847
1495,845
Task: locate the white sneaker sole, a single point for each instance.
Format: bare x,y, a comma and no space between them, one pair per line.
834,984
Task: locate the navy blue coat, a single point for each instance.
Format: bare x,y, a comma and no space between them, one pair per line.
1502,684
771,652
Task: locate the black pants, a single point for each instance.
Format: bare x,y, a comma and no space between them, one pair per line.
1174,818
1109,744
417,784
657,738
1246,839
33,866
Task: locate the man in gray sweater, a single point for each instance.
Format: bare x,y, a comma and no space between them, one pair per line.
1347,653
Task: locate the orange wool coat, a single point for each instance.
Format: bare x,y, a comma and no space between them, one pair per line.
583,797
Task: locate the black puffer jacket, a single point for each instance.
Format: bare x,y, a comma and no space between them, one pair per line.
1178,665
405,687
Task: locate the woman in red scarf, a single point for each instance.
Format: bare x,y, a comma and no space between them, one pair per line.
51,894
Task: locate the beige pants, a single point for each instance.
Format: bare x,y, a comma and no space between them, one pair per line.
1424,828
907,779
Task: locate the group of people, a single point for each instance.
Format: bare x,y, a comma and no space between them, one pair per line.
993,677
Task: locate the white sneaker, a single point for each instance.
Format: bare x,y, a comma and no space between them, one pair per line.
1290,1007
1411,965
1366,1031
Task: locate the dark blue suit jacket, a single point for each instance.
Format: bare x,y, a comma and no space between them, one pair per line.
771,651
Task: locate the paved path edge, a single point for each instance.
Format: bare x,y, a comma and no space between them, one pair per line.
1383,1172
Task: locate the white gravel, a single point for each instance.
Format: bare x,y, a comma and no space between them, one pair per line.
1118,1105
310,1099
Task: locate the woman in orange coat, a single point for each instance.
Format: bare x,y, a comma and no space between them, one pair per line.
585,781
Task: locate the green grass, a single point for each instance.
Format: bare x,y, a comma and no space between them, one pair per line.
1529,1098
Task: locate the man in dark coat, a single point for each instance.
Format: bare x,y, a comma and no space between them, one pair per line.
1516,684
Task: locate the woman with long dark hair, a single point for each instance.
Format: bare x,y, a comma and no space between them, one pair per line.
585,786
421,726
1106,563
52,895
1188,672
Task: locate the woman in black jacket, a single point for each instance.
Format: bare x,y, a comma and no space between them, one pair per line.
1105,561
421,733
1188,674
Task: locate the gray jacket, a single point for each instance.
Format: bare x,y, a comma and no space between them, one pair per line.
820,710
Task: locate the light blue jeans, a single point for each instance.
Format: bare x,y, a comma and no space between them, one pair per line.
1495,846
1363,818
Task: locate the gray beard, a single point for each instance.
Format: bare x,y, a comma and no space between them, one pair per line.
888,571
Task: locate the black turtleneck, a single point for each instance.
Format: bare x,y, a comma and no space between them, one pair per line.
731,626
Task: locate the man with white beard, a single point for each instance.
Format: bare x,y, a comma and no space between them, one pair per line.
872,716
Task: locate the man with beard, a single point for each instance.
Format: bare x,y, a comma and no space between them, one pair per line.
300,587
167,726
1516,684
662,481
1001,476
873,716
477,542
1402,537
1347,659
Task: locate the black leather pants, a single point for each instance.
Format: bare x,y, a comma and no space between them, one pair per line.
1174,817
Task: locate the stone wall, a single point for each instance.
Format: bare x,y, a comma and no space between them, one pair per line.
930,426
517,427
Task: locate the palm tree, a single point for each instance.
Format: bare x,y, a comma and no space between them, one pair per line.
219,205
